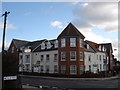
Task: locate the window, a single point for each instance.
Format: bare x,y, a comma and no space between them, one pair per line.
47,68
48,45
104,66
100,57
81,42
12,49
41,68
27,58
103,49
73,55
81,56
89,57
56,44
81,69
97,57
87,46
43,45
72,69
42,57
99,48
63,42
63,69
63,56
72,42
21,56
47,57
55,57
103,57
55,68
100,66
90,68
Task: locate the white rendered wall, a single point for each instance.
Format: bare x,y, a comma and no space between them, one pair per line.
51,62
93,61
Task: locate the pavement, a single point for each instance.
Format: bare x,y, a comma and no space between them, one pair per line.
53,82
27,86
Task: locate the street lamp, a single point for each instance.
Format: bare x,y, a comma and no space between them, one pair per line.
3,43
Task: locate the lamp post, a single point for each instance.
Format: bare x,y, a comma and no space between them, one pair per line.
3,44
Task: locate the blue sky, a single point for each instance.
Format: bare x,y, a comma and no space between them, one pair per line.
46,20
32,20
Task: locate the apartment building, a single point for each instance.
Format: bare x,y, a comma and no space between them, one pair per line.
69,54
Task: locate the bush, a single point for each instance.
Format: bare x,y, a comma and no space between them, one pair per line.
85,75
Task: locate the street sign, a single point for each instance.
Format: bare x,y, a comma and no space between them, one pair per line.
10,77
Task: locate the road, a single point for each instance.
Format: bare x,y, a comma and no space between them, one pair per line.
70,83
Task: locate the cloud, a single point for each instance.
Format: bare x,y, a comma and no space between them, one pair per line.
6,45
103,15
57,24
90,35
8,25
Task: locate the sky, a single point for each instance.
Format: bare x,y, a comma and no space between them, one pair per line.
97,21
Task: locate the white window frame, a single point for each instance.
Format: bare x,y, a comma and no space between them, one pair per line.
48,45
56,44
73,69
72,42
47,68
90,68
43,45
99,48
73,59
47,57
89,58
88,46
55,68
27,58
81,42
100,66
100,56
81,69
55,57
63,42
42,68
41,58
80,56
63,69
63,59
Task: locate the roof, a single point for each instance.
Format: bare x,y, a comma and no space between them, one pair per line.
70,30
93,45
90,49
108,46
34,44
38,49
19,43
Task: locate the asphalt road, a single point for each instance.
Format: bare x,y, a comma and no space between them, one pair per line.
70,83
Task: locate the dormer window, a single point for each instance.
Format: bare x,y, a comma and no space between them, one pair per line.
103,49
43,45
48,45
22,48
56,44
99,48
87,46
